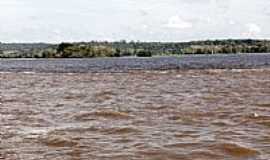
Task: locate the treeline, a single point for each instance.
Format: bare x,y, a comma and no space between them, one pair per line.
140,49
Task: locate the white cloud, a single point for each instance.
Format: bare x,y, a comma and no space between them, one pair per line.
252,30
232,22
176,22
76,20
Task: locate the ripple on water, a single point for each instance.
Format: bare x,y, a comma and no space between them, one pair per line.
259,119
236,150
204,154
122,130
194,116
263,104
103,114
182,144
162,154
58,141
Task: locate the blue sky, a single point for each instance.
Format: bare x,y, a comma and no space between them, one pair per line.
144,20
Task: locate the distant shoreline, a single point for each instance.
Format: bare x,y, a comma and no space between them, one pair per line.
123,48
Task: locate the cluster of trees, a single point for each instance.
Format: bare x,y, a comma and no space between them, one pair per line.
98,49
123,48
228,46
206,49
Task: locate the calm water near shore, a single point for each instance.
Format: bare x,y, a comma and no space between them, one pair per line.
219,61
187,115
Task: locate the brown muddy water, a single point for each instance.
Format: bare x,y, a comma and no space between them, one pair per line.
159,115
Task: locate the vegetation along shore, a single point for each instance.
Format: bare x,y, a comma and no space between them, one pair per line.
123,48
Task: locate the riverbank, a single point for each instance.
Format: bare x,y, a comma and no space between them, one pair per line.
123,48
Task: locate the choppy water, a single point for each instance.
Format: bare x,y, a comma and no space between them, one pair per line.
166,115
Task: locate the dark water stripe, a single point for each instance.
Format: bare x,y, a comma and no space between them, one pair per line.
232,61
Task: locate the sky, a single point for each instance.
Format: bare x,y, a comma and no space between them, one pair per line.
143,20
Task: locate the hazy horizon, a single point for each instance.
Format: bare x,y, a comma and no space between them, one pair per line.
165,21
139,41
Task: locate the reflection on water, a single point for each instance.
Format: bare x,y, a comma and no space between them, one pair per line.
187,115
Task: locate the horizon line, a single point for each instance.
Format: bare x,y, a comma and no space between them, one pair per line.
136,41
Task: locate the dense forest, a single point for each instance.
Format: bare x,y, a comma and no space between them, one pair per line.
132,48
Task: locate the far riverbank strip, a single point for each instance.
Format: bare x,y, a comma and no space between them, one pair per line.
221,61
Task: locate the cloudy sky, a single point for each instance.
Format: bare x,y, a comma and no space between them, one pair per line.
144,20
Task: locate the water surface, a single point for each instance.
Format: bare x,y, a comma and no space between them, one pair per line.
187,115
124,64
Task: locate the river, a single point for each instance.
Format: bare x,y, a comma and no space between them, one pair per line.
162,108
209,114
